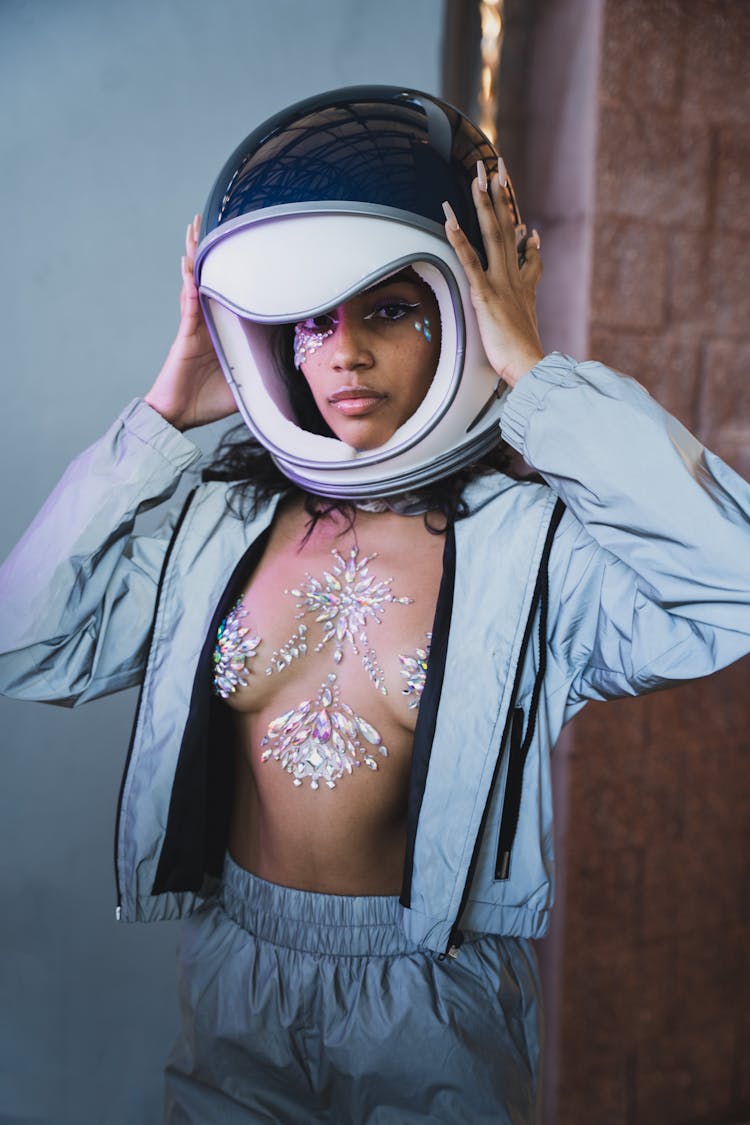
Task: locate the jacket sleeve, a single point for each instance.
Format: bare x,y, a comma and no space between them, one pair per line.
651,565
77,594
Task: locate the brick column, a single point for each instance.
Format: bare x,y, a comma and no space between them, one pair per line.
633,156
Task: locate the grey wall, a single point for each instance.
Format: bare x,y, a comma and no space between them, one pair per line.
116,118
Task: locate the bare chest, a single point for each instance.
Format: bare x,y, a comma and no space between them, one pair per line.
325,654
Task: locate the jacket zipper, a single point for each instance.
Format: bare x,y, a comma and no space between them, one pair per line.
188,501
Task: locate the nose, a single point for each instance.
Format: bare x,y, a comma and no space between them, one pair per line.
350,349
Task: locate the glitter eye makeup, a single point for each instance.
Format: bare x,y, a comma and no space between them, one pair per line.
308,337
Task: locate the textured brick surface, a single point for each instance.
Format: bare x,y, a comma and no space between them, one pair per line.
630,782
667,363
630,32
716,66
604,777
691,883
655,977
647,169
616,998
602,1099
706,969
728,281
689,301
686,1076
743,1059
724,401
708,285
628,288
733,181
603,898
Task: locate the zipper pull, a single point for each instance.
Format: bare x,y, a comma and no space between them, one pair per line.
455,942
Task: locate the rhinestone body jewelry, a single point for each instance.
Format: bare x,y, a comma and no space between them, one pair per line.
322,739
235,645
343,602
414,668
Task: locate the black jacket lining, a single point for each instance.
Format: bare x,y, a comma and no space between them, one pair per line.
428,706
200,805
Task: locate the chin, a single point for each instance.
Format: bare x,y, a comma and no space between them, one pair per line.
361,436
365,443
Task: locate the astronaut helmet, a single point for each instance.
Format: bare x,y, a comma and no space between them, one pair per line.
320,202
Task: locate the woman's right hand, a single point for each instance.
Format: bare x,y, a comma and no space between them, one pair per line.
190,390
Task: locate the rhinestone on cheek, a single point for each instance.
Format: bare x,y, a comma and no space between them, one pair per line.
322,739
307,341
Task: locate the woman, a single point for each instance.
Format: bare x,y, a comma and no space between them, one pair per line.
354,666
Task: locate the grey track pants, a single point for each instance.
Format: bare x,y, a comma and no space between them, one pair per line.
301,1007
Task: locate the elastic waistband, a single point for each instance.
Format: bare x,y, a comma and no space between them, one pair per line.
344,925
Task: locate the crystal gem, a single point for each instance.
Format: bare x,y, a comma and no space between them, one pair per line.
319,740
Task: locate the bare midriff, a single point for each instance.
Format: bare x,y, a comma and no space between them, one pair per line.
350,838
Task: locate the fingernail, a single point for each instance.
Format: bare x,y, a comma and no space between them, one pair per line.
450,216
502,172
536,239
481,175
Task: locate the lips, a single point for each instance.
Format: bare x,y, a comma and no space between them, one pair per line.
356,400
354,392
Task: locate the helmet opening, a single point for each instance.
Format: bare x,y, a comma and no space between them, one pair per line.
283,416
320,202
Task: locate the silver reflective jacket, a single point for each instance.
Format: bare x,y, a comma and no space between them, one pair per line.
639,579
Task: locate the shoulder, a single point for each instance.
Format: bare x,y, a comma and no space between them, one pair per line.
486,495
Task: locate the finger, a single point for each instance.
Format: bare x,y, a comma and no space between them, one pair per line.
505,216
492,234
197,227
503,193
464,251
188,293
531,270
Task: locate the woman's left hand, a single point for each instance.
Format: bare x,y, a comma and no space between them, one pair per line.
503,295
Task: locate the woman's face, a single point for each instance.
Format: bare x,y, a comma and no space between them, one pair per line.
370,361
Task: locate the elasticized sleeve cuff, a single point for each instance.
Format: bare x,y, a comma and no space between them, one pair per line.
530,394
146,424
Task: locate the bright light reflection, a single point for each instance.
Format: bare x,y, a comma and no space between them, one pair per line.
491,13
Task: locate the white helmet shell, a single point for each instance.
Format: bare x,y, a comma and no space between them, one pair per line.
262,263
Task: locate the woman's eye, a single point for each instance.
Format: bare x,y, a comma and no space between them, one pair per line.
321,323
392,310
